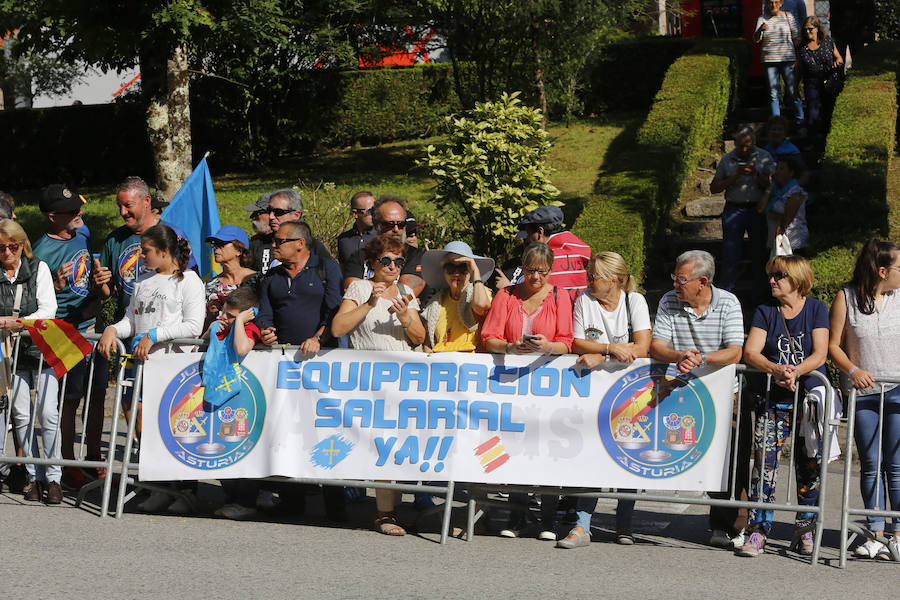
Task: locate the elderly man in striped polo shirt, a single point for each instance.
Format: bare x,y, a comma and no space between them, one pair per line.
699,324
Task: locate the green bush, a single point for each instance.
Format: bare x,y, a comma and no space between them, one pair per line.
493,168
636,190
854,175
626,74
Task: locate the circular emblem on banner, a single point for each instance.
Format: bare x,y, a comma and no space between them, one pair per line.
656,423
129,266
78,280
210,437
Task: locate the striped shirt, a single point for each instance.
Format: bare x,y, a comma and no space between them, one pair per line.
571,258
777,40
721,325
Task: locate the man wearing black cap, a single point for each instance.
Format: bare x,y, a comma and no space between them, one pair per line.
571,256
363,229
412,230
66,248
259,216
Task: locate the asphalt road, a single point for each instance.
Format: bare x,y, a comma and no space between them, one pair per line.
65,551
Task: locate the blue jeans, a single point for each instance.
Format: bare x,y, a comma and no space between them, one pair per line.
786,71
735,221
866,436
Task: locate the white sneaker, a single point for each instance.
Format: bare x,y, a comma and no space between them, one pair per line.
720,539
236,512
266,500
739,540
509,533
157,502
547,536
894,548
182,506
870,549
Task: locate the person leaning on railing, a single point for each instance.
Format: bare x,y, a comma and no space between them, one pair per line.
612,323
865,337
531,317
788,338
26,292
381,314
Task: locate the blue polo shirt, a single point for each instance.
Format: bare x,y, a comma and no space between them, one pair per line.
298,306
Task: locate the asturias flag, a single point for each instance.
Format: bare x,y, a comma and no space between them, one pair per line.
60,343
194,211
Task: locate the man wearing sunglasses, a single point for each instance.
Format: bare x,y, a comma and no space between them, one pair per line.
390,218
284,205
66,248
363,229
698,324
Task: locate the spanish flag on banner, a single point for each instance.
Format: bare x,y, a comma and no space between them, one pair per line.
60,343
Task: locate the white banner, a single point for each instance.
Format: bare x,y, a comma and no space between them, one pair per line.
344,414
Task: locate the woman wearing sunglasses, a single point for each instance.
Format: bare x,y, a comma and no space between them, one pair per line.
381,314
231,250
26,292
454,315
788,338
816,60
531,317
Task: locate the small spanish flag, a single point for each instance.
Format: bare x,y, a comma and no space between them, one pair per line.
61,344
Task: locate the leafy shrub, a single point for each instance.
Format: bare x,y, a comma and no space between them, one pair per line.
854,175
492,166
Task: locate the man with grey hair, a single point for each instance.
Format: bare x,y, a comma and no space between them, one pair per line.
699,324
743,174
283,205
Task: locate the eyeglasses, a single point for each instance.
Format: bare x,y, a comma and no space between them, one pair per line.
361,211
809,28
11,247
777,275
387,260
280,212
681,280
541,272
279,241
388,225
455,269
593,277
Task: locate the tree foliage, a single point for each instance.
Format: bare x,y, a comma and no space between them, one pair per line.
31,74
493,168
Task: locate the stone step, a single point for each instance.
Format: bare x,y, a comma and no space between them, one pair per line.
708,206
710,229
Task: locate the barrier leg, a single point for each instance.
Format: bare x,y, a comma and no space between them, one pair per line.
824,453
113,434
470,517
448,510
132,424
848,467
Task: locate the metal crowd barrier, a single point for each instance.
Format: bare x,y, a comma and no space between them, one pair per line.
80,462
675,498
130,463
849,530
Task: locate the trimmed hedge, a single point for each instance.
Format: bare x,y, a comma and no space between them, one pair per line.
625,75
636,191
74,144
859,151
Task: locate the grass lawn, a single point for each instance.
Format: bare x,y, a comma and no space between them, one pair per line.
577,153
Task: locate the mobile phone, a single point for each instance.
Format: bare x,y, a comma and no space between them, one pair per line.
528,338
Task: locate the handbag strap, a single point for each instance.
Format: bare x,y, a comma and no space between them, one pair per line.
788,331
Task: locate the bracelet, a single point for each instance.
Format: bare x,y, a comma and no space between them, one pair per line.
606,353
477,281
853,370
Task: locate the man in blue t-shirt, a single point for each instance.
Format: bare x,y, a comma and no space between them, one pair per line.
66,248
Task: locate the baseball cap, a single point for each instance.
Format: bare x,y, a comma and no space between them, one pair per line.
230,233
261,204
59,198
411,223
544,215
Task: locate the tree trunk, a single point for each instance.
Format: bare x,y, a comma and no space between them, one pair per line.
169,118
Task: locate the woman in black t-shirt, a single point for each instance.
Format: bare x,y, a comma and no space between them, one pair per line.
815,61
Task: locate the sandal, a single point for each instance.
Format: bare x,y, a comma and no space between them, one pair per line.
388,525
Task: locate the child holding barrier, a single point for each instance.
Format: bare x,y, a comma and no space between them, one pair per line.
168,303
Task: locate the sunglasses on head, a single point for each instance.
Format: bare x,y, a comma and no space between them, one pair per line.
777,275
455,269
280,212
386,261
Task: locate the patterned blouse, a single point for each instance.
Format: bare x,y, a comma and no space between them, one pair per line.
817,63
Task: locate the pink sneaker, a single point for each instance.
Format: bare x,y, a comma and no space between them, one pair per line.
754,546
